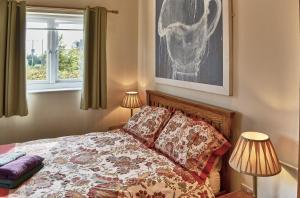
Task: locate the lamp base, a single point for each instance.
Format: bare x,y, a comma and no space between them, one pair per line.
131,112
255,186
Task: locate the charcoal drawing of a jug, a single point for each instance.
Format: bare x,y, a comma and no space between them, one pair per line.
186,40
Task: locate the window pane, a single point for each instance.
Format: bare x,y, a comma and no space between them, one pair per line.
70,26
38,25
36,54
54,47
70,55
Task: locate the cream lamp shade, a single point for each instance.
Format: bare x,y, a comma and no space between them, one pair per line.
254,155
131,101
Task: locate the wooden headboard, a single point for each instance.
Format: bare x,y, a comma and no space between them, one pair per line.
218,117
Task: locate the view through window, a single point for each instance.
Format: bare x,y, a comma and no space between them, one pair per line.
54,50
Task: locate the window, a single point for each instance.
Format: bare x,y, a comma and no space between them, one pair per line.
54,50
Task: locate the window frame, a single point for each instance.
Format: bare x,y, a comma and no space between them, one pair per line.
53,83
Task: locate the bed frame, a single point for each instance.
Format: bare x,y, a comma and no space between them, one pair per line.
218,117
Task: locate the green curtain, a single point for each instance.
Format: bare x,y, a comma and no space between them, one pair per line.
12,59
94,93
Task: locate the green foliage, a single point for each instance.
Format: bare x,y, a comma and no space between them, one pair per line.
69,66
36,67
37,73
33,60
69,63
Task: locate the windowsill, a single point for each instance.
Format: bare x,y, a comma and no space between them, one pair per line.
53,90
55,87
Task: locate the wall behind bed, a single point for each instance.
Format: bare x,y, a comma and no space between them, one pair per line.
58,114
266,78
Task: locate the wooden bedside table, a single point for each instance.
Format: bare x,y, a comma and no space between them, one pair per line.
119,126
237,194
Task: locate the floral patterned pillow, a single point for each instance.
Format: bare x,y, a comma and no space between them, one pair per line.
193,144
148,123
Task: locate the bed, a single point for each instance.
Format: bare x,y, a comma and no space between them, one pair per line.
116,164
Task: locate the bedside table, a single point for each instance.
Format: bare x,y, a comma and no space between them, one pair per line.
119,126
237,194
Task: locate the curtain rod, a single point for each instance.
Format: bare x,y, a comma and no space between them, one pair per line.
56,7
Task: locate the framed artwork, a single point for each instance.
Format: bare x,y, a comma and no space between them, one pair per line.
193,44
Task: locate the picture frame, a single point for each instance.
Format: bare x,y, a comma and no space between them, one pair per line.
225,88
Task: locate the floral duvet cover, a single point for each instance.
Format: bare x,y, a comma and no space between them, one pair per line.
106,164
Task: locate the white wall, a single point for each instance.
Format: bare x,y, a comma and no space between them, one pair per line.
265,77
59,114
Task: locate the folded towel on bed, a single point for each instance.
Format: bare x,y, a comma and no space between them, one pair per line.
9,157
11,184
19,167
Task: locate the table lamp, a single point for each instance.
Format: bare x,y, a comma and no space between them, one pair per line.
254,155
131,101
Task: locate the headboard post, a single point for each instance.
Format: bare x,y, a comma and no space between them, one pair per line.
218,117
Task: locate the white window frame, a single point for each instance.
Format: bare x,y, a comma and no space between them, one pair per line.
53,83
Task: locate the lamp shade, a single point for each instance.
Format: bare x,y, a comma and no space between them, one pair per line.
254,155
131,100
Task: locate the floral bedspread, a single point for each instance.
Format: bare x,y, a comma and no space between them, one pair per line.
106,164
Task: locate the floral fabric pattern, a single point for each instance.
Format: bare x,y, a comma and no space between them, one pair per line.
193,144
147,123
106,164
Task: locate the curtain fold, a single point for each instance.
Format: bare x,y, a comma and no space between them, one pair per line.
94,93
12,59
